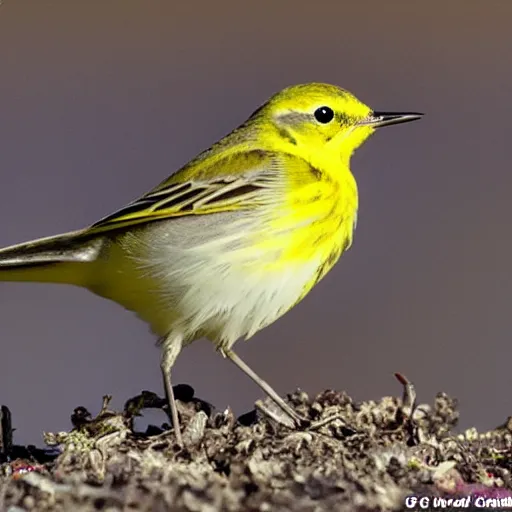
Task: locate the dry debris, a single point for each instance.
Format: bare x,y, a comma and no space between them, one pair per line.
371,457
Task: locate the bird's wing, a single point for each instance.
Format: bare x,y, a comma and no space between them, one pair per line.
232,183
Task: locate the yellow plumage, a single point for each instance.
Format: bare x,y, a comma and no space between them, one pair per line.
235,238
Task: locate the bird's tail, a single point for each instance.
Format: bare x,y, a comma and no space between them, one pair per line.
62,258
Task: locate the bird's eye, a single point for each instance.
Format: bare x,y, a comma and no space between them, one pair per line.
324,115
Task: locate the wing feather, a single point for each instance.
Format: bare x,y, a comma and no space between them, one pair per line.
227,185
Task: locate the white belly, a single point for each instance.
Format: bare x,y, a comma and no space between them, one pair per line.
210,285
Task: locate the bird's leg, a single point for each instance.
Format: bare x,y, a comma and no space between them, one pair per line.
171,347
300,421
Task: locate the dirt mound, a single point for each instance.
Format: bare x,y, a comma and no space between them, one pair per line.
371,457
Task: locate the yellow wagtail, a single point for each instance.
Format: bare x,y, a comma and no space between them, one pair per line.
232,240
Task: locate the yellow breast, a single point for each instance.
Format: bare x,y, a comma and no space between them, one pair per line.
315,223
316,218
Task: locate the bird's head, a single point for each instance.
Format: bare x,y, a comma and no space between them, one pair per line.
321,116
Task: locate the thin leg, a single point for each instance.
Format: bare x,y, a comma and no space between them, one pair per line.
297,418
171,348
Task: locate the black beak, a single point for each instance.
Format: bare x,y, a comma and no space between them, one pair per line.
378,119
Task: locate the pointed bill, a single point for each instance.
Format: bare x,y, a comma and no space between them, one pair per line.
378,119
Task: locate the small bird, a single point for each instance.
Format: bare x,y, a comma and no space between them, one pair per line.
232,240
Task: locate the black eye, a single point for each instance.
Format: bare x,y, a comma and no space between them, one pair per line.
324,115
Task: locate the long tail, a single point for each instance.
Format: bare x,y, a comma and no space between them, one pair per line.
62,258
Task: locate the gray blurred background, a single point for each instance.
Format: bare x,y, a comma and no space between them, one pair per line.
101,100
